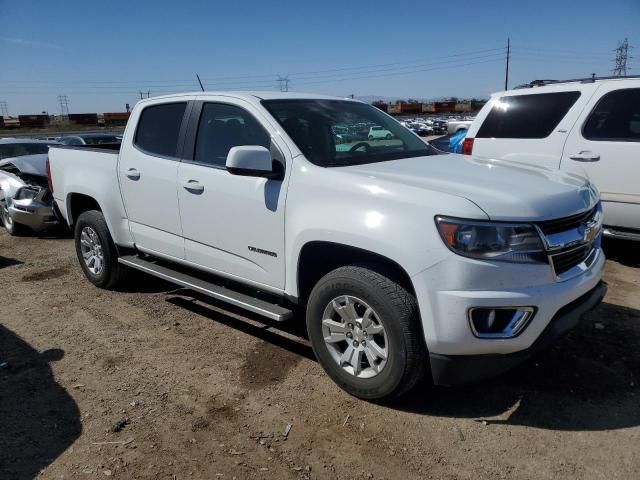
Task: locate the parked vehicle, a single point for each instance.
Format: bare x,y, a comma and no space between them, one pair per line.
377,132
451,143
90,139
18,147
405,261
26,203
454,126
440,127
585,127
418,129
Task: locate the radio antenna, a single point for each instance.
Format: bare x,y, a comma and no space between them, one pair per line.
200,82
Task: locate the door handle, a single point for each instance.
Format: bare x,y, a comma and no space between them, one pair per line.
133,174
193,186
585,156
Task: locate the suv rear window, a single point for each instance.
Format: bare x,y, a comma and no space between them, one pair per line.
616,117
159,128
527,116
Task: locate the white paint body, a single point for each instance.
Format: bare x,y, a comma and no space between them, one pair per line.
387,208
616,173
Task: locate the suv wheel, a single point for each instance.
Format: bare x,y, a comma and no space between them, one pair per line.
364,329
96,251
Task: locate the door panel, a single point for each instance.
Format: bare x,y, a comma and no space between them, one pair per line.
148,171
232,224
605,147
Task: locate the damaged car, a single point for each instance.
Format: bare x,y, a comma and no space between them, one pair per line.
26,203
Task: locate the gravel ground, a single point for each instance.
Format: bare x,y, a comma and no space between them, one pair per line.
153,383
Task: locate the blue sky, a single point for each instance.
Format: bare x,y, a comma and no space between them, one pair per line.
100,54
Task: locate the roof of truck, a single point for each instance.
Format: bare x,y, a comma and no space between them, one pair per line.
262,95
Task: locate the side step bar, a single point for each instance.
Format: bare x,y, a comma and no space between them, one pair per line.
241,300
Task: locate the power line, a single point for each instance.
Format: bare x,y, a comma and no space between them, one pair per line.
170,83
622,55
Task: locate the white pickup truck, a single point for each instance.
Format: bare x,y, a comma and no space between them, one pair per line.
407,262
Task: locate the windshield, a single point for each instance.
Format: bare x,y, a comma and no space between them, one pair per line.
333,133
9,150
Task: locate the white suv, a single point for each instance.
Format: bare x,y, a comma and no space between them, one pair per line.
587,127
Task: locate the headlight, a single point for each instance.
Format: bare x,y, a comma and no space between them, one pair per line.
26,194
492,241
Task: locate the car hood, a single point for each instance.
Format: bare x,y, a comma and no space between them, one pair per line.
28,164
504,190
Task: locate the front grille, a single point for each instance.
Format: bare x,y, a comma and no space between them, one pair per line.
565,261
549,227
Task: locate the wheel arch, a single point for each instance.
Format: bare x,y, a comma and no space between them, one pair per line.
78,203
317,258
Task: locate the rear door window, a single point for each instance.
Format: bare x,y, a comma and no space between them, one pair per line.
159,129
527,116
616,117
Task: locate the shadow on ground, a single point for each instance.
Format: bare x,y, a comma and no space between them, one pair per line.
38,419
8,262
625,252
587,381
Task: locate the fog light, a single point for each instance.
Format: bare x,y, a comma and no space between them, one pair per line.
499,322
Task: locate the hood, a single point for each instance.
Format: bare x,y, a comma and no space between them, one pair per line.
504,190
28,164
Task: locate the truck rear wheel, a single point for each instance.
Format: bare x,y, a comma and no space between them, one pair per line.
364,329
96,251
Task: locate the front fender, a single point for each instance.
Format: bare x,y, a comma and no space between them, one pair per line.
334,205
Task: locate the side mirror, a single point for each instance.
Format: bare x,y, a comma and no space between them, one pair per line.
252,161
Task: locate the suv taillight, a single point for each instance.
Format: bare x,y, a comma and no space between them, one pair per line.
467,146
47,167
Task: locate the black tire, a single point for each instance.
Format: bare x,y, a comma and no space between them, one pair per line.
111,274
14,229
397,309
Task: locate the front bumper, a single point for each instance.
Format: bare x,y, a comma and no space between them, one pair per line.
35,214
459,369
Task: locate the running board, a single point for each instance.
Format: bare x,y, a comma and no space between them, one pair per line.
241,300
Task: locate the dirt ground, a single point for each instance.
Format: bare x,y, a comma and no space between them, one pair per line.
153,383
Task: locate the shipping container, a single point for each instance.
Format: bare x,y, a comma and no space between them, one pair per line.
33,121
84,118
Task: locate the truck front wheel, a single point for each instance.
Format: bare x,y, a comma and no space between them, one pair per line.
96,251
364,329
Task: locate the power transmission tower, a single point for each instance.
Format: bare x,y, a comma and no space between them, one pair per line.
506,70
283,83
622,55
4,108
142,94
64,105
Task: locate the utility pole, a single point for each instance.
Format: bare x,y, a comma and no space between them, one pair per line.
4,108
506,70
622,55
283,83
64,105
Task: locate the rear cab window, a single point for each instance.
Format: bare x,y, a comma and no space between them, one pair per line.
159,129
527,116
